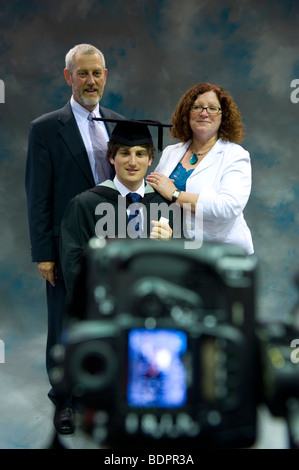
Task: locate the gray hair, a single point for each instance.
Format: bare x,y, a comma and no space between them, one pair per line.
81,49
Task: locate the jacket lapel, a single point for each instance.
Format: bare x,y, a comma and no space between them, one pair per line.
210,159
70,133
109,114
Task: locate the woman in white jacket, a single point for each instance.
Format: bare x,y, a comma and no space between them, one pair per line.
208,168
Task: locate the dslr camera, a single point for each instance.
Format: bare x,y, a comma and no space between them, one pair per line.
162,347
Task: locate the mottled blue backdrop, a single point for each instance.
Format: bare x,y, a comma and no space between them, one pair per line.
155,50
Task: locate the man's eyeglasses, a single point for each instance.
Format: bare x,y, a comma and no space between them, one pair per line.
210,109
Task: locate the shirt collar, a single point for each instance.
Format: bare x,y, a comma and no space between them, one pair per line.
81,112
124,191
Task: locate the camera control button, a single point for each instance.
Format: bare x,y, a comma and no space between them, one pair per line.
132,423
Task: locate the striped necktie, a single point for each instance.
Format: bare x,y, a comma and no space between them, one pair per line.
103,166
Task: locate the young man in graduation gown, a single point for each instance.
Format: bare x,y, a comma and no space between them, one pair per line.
108,210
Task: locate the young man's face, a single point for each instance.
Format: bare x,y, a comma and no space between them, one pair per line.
131,164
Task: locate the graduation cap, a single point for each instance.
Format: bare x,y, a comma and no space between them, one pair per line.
132,132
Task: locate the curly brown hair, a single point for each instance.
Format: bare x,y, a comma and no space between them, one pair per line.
231,127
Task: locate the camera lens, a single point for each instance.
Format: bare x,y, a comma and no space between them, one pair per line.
93,366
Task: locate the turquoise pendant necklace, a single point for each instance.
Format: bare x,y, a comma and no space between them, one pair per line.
194,158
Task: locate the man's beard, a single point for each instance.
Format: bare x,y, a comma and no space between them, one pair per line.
89,101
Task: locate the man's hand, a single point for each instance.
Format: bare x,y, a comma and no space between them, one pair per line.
48,271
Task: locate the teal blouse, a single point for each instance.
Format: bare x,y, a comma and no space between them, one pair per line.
180,176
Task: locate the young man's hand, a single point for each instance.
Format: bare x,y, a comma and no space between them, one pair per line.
161,229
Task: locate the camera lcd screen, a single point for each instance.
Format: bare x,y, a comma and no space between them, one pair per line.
156,372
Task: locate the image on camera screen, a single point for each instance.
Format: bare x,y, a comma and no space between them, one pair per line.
156,373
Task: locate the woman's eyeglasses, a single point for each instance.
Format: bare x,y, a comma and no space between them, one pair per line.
210,109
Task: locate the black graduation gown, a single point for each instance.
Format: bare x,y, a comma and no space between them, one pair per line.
101,211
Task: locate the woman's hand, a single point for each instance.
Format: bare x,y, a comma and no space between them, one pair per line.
162,184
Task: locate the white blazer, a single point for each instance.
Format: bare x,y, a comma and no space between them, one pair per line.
223,181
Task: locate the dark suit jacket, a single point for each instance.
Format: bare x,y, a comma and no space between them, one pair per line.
57,169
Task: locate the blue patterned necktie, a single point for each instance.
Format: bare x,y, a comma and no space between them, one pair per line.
99,144
134,210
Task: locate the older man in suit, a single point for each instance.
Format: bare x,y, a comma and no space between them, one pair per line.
61,162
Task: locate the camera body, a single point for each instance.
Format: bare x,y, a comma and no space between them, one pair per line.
161,348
